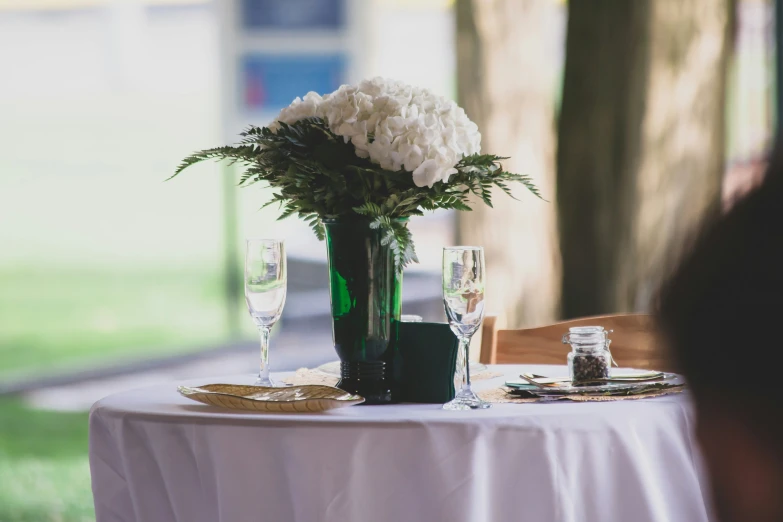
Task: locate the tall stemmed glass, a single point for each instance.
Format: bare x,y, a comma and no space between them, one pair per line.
463,296
265,288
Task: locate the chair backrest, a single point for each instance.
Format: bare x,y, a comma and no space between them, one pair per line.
635,342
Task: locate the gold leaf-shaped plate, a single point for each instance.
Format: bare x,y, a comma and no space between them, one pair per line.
292,399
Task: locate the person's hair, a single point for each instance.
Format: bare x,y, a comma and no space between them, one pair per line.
722,310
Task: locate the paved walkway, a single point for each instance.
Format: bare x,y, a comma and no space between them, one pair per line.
288,352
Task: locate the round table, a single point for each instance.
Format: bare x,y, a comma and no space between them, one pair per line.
157,456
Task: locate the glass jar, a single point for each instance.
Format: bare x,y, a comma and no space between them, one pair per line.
590,358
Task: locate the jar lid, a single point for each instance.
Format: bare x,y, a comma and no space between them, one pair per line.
585,335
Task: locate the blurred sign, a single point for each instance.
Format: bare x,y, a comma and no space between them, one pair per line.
293,14
272,81
275,50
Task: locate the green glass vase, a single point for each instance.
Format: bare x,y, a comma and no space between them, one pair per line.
366,297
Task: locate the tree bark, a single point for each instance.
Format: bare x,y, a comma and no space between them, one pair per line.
506,83
641,143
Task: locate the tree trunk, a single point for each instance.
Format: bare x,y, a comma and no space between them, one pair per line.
641,143
506,82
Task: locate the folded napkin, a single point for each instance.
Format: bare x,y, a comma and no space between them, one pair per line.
427,357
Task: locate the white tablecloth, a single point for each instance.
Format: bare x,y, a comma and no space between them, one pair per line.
156,456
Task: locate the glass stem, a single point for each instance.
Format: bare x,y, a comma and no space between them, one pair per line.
464,345
263,374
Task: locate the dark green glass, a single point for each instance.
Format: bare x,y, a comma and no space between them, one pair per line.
366,295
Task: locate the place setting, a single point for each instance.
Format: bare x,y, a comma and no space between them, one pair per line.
591,376
426,362
431,360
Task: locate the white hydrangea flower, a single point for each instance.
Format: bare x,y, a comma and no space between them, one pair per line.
395,125
299,110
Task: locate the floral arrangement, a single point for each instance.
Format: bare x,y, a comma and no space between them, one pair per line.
381,150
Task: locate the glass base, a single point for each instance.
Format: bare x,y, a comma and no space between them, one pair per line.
466,400
269,383
370,379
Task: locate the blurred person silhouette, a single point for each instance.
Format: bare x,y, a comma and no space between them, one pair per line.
722,315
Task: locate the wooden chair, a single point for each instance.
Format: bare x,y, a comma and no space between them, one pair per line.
635,342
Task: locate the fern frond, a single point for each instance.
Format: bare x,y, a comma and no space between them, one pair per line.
314,174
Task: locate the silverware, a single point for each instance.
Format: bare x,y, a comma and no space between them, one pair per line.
544,382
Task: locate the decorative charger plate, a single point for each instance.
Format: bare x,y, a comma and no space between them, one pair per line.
291,399
669,380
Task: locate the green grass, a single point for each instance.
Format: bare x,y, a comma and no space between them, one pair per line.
66,318
44,471
63,319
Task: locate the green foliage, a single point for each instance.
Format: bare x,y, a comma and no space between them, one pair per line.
315,175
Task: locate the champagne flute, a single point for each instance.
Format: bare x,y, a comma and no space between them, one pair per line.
463,297
265,289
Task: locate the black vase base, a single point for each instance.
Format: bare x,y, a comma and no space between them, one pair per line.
368,379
